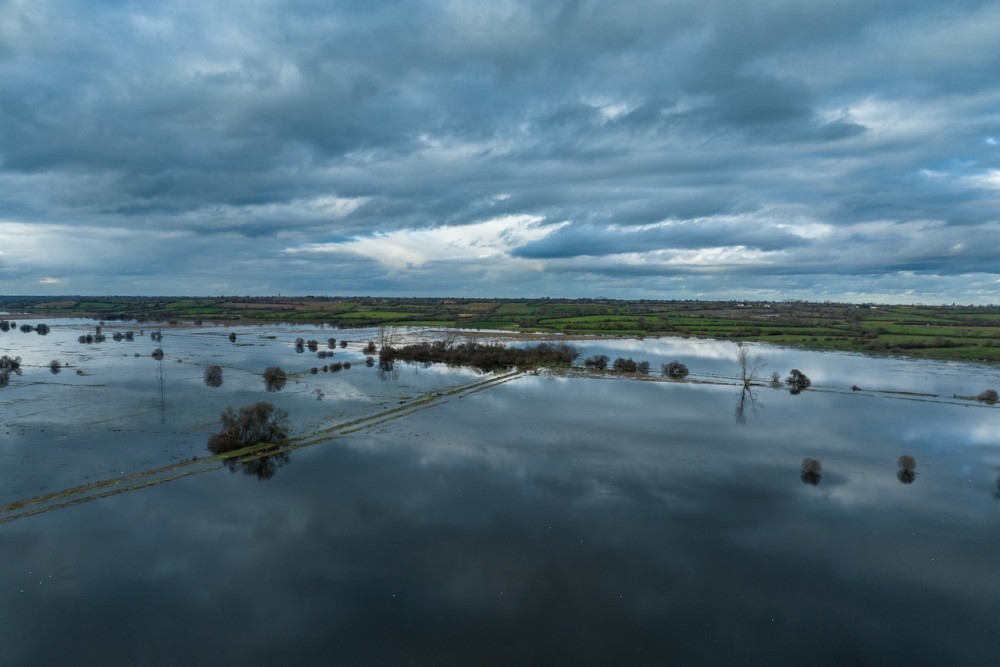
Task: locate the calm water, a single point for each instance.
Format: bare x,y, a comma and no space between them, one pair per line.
545,520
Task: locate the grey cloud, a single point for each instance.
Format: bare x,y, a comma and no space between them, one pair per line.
217,120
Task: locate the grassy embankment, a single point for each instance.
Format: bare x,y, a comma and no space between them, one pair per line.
943,332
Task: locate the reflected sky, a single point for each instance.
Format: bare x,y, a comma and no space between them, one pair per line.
544,520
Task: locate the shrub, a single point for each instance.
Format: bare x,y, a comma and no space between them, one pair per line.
300,345
55,366
343,343
275,378
623,365
811,469
313,345
598,361
675,370
232,337
797,381
331,343
157,354
988,396
213,376
370,348
27,328
906,462
642,368
253,424
42,329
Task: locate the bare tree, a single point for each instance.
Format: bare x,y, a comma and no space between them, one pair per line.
750,364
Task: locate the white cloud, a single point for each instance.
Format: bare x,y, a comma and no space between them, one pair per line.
489,240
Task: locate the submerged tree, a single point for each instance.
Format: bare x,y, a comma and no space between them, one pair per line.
213,376
907,465
750,364
623,365
989,396
598,361
797,381
811,471
258,423
275,378
675,370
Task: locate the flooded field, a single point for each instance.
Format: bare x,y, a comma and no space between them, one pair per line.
453,517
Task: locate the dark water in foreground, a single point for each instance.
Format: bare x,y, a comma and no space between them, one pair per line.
546,520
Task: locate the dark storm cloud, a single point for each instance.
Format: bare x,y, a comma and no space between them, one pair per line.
276,129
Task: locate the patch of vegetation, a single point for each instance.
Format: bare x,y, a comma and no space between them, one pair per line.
275,378
484,356
675,370
251,425
945,332
811,472
213,376
797,381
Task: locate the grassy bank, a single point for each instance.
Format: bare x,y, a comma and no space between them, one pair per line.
942,332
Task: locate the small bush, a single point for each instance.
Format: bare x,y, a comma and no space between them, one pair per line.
811,471
598,361
232,337
907,465
157,354
797,381
42,329
989,396
623,365
275,378
213,376
55,366
675,370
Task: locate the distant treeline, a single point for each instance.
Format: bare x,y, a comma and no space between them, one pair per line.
485,356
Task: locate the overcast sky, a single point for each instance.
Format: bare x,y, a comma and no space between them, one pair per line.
844,150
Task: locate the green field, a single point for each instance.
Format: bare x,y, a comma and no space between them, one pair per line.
944,332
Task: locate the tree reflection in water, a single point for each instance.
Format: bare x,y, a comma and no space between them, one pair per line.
261,465
747,400
387,370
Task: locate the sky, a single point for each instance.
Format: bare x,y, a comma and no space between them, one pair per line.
674,149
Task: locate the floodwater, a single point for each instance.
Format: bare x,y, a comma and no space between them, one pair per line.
545,519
